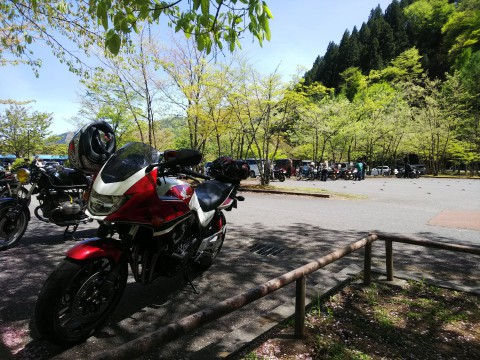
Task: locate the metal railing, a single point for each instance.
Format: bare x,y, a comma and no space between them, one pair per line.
149,342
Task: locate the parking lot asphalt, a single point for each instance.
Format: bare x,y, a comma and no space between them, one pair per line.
304,228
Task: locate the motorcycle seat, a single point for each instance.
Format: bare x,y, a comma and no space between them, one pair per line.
212,193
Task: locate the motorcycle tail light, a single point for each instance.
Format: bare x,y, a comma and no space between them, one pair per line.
105,204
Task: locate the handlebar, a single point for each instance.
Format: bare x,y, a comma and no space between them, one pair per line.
195,174
177,170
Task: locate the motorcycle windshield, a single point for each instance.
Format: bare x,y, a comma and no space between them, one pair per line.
127,161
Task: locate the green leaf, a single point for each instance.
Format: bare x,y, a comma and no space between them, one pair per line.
200,42
266,27
205,7
144,10
259,9
113,43
196,4
267,11
102,14
157,12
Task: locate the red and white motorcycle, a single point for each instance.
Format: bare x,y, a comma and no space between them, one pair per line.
164,221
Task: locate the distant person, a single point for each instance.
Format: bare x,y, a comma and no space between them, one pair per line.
359,168
324,173
364,169
408,169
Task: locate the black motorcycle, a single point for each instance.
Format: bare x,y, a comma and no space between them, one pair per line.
10,187
62,194
277,174
411,174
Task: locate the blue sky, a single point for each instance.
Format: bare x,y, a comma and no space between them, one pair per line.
301,30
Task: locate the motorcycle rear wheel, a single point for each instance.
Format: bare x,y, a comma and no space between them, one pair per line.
11,231
77,298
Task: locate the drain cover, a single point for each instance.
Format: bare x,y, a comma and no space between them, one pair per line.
265,250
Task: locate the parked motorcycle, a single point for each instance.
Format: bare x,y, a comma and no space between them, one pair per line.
333,173
412,174
277,174
346,174
62,193
10,187
156,216
307,172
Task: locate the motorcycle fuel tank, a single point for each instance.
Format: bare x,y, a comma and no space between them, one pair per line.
154,205
68,177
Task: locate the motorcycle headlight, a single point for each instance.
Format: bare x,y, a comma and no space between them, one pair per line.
23,175
99,204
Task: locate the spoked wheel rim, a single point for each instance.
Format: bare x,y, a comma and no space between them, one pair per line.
93,291
11,229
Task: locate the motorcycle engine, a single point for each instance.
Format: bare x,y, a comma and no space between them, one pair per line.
180,243
69,208
61,209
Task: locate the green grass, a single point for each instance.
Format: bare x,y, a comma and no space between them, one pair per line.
385,322
302,190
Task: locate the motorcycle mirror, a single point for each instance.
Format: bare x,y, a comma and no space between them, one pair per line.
188,157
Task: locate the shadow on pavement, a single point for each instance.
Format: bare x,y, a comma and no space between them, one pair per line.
143,309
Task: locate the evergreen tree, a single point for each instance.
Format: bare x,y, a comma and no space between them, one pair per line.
364,38
310,74
348,51
427,17
330,76
396,19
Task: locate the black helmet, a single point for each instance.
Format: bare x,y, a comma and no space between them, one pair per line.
91,147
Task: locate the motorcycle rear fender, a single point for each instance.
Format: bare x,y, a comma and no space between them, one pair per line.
4,202
94,248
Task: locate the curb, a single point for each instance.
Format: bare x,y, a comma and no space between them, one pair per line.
282,192
234,345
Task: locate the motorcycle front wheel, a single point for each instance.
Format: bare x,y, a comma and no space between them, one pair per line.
78,297
13,224
281,177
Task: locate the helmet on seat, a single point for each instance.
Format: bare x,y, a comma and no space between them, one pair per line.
91,147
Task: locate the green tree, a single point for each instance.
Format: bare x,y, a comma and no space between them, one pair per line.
404,68
395,17
353,82
23,132
211,24
437,118
426,19
262,106
462,30
187,87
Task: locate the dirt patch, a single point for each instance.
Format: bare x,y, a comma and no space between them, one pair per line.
415,321
457,219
